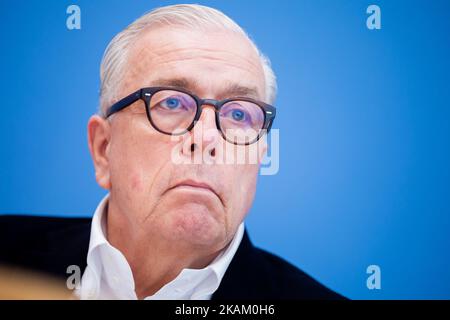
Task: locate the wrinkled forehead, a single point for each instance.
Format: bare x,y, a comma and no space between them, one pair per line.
206,62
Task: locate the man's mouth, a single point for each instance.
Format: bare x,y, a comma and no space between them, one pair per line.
195,186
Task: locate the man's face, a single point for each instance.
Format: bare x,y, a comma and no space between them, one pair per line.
153,191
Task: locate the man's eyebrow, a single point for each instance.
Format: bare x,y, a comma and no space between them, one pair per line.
236,90
230,90
183,83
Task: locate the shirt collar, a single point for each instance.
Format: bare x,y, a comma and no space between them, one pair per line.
118,282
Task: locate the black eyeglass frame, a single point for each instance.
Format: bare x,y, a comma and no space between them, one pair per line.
145,94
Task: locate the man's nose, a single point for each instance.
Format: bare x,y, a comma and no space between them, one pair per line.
205,134
208,121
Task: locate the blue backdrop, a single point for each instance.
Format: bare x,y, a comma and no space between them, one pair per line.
363,118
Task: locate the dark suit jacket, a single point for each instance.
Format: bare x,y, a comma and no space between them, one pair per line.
52,244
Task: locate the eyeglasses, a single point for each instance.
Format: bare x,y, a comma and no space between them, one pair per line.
175,111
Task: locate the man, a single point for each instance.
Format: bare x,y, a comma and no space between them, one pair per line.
182,89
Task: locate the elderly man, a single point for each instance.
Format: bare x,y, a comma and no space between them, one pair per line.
181,81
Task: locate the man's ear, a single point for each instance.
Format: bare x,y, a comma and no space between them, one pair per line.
99,136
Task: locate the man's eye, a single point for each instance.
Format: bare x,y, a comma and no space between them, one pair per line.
171,103
238,115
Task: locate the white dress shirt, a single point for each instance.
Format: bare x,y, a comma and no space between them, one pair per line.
108,274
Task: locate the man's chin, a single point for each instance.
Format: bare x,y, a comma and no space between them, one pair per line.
195,224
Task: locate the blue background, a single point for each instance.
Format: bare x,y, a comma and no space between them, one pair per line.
363,118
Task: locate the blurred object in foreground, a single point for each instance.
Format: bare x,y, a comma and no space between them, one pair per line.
20,284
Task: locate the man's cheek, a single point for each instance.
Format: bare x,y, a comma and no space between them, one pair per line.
247,180
136,182
128,175
140,177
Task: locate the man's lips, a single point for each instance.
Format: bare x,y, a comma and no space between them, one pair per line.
196,185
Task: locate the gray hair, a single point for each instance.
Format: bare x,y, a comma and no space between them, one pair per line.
185,15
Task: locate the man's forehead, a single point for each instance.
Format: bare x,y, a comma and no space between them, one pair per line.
164,57
164,42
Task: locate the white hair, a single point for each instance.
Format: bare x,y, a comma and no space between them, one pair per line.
191,16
